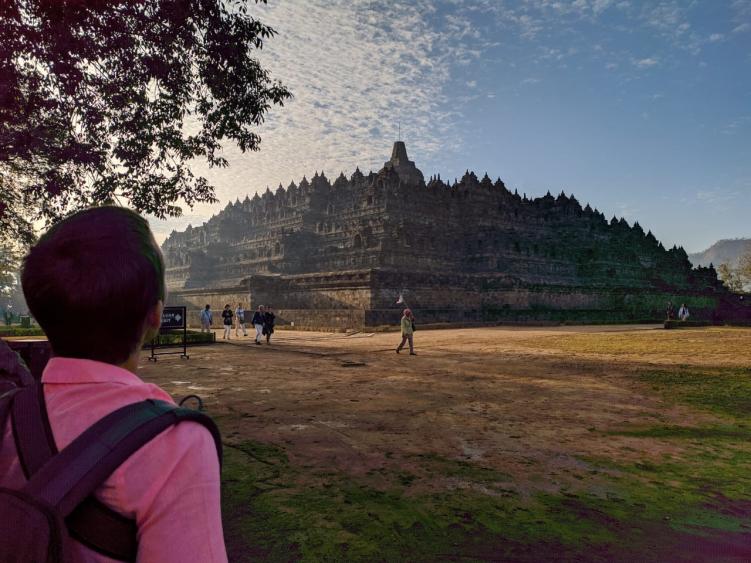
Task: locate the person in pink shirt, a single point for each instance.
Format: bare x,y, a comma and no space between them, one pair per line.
103,265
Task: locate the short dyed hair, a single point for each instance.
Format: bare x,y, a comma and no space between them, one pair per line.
91,281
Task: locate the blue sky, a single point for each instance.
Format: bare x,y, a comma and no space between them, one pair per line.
642,109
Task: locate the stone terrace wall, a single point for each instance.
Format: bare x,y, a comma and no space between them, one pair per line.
325,290
367,298
321,319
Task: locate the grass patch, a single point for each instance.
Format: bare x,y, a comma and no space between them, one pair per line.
680,493
725,392
681,345
278,512
691,433
446,508
683,490
434,464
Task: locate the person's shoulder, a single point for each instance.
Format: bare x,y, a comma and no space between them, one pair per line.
186,442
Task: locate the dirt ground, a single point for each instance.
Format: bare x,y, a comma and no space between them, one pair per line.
532,405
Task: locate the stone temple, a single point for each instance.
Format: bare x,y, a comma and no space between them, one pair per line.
338,254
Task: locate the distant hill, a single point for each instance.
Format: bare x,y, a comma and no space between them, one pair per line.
729,250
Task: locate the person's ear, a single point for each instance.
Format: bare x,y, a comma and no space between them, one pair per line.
154,318
153,321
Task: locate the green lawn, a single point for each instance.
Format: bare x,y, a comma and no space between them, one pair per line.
275,510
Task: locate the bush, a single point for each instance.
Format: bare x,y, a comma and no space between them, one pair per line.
175,338
19,331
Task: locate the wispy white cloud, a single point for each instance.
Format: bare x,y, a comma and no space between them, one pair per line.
646,63
741,15
356,72
737,124
670,20
716,197
359,68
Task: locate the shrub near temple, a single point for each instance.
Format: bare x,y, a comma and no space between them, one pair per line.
192,337
19,331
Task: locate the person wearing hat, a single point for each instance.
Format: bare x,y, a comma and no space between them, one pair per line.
408,329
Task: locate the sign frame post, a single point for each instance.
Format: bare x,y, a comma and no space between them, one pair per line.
172,318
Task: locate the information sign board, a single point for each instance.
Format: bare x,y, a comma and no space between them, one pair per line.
173,317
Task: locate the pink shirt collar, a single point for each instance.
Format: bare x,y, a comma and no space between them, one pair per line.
76,370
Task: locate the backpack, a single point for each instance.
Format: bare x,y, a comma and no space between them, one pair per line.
13,371
57,502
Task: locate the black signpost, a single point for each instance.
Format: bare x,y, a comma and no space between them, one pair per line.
173,318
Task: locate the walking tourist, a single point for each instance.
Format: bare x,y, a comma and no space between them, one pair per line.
227,316
408,329
206,319
162,503
240,320
683,313
257,320
269,318
670,312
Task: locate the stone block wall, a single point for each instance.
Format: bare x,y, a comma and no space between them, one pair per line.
334,290
321,319
367,298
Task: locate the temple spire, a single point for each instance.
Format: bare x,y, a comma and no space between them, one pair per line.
403,166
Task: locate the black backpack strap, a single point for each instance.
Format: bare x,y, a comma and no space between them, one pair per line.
91,458
34,441
92,522
98,527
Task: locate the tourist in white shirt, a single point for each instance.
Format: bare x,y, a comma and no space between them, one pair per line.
683,313
240,320
206,319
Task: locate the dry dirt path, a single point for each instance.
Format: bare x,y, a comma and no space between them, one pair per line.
531,405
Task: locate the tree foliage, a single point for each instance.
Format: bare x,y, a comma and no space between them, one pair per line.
744,267
104,99
10,260
735,278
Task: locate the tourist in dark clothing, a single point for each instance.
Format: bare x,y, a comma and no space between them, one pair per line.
268,324
258,320
227,315
670,312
